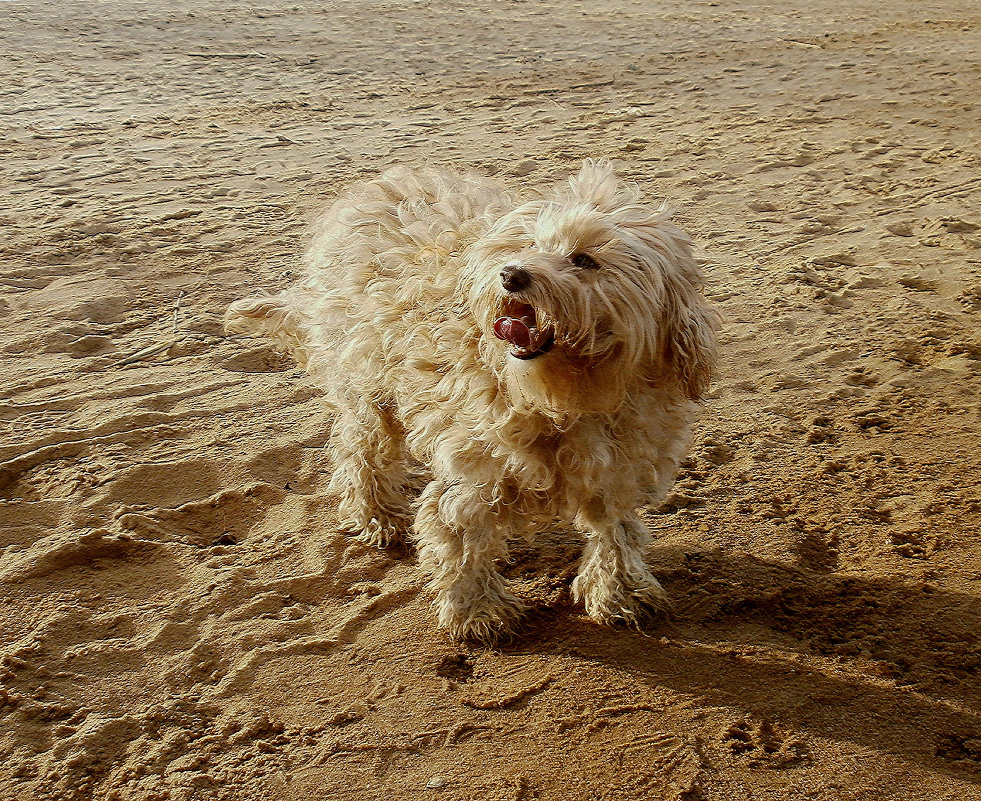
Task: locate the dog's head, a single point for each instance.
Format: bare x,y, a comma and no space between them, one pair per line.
584,293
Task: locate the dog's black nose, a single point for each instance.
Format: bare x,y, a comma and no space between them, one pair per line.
515,278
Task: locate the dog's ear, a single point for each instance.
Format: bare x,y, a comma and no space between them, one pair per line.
689,338
596,183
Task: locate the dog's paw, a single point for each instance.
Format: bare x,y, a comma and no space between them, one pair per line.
612,603
484,619
381,532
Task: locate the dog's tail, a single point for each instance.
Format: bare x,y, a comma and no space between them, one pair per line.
275,316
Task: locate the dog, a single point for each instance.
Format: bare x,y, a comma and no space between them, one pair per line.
536,360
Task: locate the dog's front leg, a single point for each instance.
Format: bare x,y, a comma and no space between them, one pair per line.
458,537
613,582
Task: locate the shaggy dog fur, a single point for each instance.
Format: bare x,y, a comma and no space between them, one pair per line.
540,359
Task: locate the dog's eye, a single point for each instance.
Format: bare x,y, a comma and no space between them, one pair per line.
584,262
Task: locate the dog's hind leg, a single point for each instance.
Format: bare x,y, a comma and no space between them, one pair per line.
371,472
458,539
613,582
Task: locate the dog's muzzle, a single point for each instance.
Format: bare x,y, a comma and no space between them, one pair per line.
518,326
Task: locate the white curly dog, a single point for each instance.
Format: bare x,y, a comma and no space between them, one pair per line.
537,360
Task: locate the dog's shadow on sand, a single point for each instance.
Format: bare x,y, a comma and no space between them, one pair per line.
879,662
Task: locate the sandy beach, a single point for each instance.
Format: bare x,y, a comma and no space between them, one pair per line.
180,616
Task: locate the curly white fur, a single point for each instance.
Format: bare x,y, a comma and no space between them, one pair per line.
395,318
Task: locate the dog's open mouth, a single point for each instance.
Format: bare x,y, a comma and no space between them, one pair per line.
518,326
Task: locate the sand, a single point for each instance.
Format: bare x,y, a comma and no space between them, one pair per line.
180,616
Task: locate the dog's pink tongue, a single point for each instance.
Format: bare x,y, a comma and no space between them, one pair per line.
512,330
